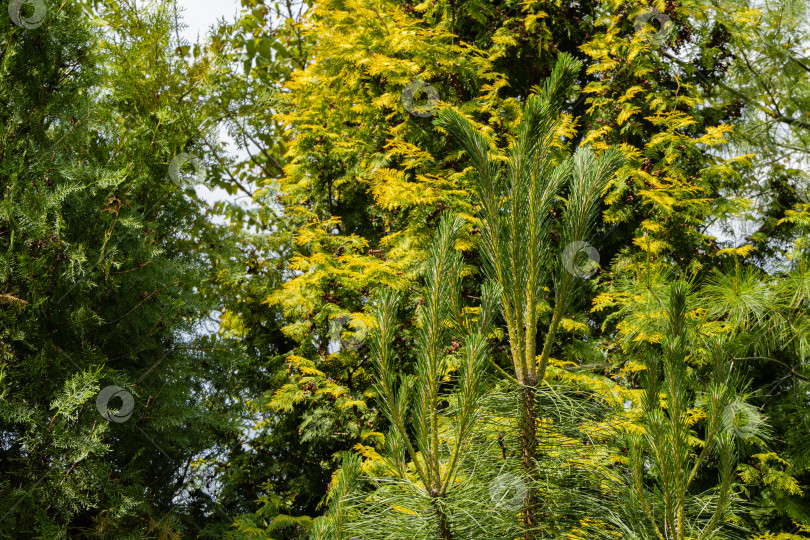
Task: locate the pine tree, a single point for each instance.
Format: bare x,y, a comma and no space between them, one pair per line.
442,472
733,323
443,326
515,220
672,403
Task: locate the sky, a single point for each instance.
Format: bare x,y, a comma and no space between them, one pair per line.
199,15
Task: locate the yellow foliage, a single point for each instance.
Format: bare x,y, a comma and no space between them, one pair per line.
742,250
626,113
649,245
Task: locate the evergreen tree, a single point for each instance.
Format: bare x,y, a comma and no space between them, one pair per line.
516,209
111,401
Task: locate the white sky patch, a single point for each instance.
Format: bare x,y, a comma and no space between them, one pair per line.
200,15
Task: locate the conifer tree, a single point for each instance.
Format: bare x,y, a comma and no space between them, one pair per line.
698,445
515,221
365,180
100,276
442,470
442,326
669,405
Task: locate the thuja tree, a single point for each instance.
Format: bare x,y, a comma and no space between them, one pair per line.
39,100
99,278
751,61
516,220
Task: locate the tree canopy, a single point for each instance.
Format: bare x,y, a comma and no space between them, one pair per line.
349,270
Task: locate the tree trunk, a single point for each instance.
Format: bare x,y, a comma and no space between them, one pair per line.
529,451
445,532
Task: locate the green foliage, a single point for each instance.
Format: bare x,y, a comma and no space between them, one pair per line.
100,276
339,347
666,446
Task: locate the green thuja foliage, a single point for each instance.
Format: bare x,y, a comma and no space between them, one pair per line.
100,278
